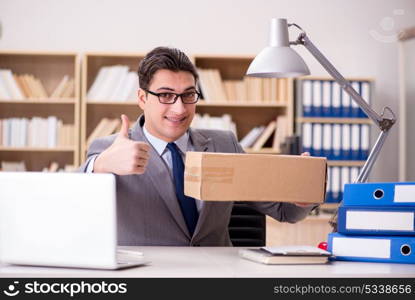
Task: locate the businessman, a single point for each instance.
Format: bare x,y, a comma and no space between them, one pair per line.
148,162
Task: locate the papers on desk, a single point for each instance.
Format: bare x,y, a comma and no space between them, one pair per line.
286,255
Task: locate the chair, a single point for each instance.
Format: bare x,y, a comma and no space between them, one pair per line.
247,226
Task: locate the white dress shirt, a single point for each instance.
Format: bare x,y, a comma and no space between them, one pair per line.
183,143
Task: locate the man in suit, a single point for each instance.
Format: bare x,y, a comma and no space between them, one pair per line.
148,162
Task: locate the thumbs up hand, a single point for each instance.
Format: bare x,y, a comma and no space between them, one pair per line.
124,156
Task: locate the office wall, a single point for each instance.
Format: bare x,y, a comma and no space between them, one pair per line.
409,91
356,35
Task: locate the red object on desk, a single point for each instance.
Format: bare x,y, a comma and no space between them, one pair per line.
323,245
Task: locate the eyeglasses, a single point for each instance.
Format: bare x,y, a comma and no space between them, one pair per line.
171,98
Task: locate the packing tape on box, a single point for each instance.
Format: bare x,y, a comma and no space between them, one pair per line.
210,174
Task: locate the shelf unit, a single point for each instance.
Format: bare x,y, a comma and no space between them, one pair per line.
341,120
49,67
246,115
93,112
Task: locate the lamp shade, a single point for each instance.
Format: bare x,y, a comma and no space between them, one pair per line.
278,59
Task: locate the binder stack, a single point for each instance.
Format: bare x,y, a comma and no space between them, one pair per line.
376,223
325,98
332,125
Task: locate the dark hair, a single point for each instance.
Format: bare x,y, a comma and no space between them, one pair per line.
163,58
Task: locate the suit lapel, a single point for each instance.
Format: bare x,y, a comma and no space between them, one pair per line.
160,176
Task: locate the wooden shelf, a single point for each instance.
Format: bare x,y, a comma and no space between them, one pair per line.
241,104
329,205
335,120
346,163
319,218
261,151
40,101
246,115
50,67
38,149
112,102
308,77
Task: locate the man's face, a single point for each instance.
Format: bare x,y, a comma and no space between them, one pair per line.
168,121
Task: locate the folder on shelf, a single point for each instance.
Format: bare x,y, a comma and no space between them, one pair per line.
317,99
336,91
345,142
326,104
307,98
365,142
376,220
355,108
381,194
327,141
317,140
346,106
354,173
336,155
336,185
355,145
307,137
365,93
344,177
390,249
329,189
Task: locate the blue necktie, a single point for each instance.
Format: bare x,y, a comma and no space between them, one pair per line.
187,204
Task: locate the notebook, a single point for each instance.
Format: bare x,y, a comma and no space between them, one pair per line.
286,255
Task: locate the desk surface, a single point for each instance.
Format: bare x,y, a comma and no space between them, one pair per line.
215,262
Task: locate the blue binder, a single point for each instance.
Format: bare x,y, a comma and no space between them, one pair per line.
355,108
381,194
307,98
390,249
375,220
336,110
316,108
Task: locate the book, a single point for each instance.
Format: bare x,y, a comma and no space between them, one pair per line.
57,92
105,127
280,133
286,255
12,166
11,84
249,139
266,134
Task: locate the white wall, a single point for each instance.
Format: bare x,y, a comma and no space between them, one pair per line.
343,30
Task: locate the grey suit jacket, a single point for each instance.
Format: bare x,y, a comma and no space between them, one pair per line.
148,212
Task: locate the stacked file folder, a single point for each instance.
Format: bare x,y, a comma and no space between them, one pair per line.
325,98
376,223
337,178
336,141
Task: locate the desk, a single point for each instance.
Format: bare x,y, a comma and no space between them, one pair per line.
216,262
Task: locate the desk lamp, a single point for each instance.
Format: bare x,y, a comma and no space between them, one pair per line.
279,60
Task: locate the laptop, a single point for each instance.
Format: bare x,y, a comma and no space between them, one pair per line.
60,220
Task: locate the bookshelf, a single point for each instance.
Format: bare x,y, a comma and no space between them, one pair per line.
324,112
246,113
49,68
94,110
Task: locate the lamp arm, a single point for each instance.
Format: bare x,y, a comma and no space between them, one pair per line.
384,124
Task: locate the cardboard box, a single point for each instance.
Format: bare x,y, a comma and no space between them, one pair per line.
255,177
